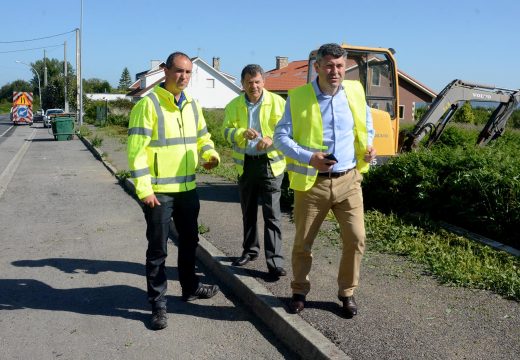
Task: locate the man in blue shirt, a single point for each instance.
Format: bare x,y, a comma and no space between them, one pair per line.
249,124
326,134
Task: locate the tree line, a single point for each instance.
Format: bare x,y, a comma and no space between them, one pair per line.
53,93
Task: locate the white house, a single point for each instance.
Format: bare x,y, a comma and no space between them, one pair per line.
210,86
106,97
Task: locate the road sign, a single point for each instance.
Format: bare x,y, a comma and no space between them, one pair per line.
23,111
22,98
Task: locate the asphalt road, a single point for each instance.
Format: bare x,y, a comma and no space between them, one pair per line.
71,268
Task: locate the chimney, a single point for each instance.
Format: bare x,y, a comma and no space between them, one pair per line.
154,64
216,63
281,62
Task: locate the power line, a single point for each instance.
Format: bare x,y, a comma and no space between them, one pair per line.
38,48
41,38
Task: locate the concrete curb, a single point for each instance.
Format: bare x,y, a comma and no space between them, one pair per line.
295,332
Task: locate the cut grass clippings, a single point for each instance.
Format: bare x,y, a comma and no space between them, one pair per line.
454,260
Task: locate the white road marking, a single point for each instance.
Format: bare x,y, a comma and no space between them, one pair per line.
7,174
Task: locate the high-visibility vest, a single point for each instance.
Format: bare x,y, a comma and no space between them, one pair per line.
164,142
307,127
236,122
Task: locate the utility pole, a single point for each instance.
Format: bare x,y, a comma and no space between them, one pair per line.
44,69
65,76
78,75
79,69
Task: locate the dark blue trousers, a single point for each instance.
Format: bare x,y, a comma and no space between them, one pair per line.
184,208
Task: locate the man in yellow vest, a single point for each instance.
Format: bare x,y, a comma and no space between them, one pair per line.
248,126
166,135
326,135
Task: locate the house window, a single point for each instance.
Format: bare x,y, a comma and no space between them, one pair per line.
401,112
210,83
376,76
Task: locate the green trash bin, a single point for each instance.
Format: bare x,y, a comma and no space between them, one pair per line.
63,128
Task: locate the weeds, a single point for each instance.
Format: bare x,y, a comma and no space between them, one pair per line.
97,141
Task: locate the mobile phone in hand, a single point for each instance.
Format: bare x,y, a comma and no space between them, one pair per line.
331,157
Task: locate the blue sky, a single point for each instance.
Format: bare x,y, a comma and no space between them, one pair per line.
435,41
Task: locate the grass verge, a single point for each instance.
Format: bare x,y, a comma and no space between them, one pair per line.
452,259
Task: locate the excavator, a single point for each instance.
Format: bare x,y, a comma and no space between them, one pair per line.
376,69
455,94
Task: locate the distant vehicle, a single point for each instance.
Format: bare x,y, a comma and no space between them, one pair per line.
38,116
49,114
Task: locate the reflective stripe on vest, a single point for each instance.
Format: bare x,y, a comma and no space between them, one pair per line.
161,134
173,180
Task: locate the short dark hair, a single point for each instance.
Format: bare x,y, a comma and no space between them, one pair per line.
331,49
251,69
171,58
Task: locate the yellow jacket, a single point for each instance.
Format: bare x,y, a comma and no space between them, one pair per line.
236,123
308,130
164,142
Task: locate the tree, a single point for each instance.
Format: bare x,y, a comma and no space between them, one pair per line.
53,95
465,114
95,85
6,92
125,81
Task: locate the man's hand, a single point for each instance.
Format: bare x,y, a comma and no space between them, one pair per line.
251,134
370,154
151,201
319,162
264,143
210,164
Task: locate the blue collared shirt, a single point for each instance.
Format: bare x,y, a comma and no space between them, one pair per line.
253,114
338,130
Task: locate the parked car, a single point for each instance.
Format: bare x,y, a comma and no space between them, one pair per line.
49,114
38,116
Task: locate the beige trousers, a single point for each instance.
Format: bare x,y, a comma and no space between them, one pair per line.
344,197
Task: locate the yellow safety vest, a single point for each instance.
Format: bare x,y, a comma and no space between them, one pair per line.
164,142
307,128
236,123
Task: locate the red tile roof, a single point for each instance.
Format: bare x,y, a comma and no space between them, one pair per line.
291,76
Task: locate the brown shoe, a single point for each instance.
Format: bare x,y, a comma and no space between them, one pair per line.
349,306
297,303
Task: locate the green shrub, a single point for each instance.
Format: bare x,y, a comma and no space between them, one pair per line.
214,121
476,188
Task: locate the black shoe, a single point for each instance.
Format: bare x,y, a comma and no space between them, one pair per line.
297,303
159,319
349,306
202,292
244,259
277,272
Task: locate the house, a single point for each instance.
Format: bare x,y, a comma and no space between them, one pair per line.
211,87
288,75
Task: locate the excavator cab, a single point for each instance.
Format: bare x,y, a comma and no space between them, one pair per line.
376,69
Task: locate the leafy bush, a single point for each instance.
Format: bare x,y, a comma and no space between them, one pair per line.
476,188
214,121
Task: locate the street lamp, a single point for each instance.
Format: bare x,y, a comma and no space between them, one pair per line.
38,76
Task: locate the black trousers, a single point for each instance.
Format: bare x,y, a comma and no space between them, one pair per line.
184,208
258,182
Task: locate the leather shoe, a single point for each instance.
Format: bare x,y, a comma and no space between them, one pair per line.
159,319
244,259
277,272
297,303
349,306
